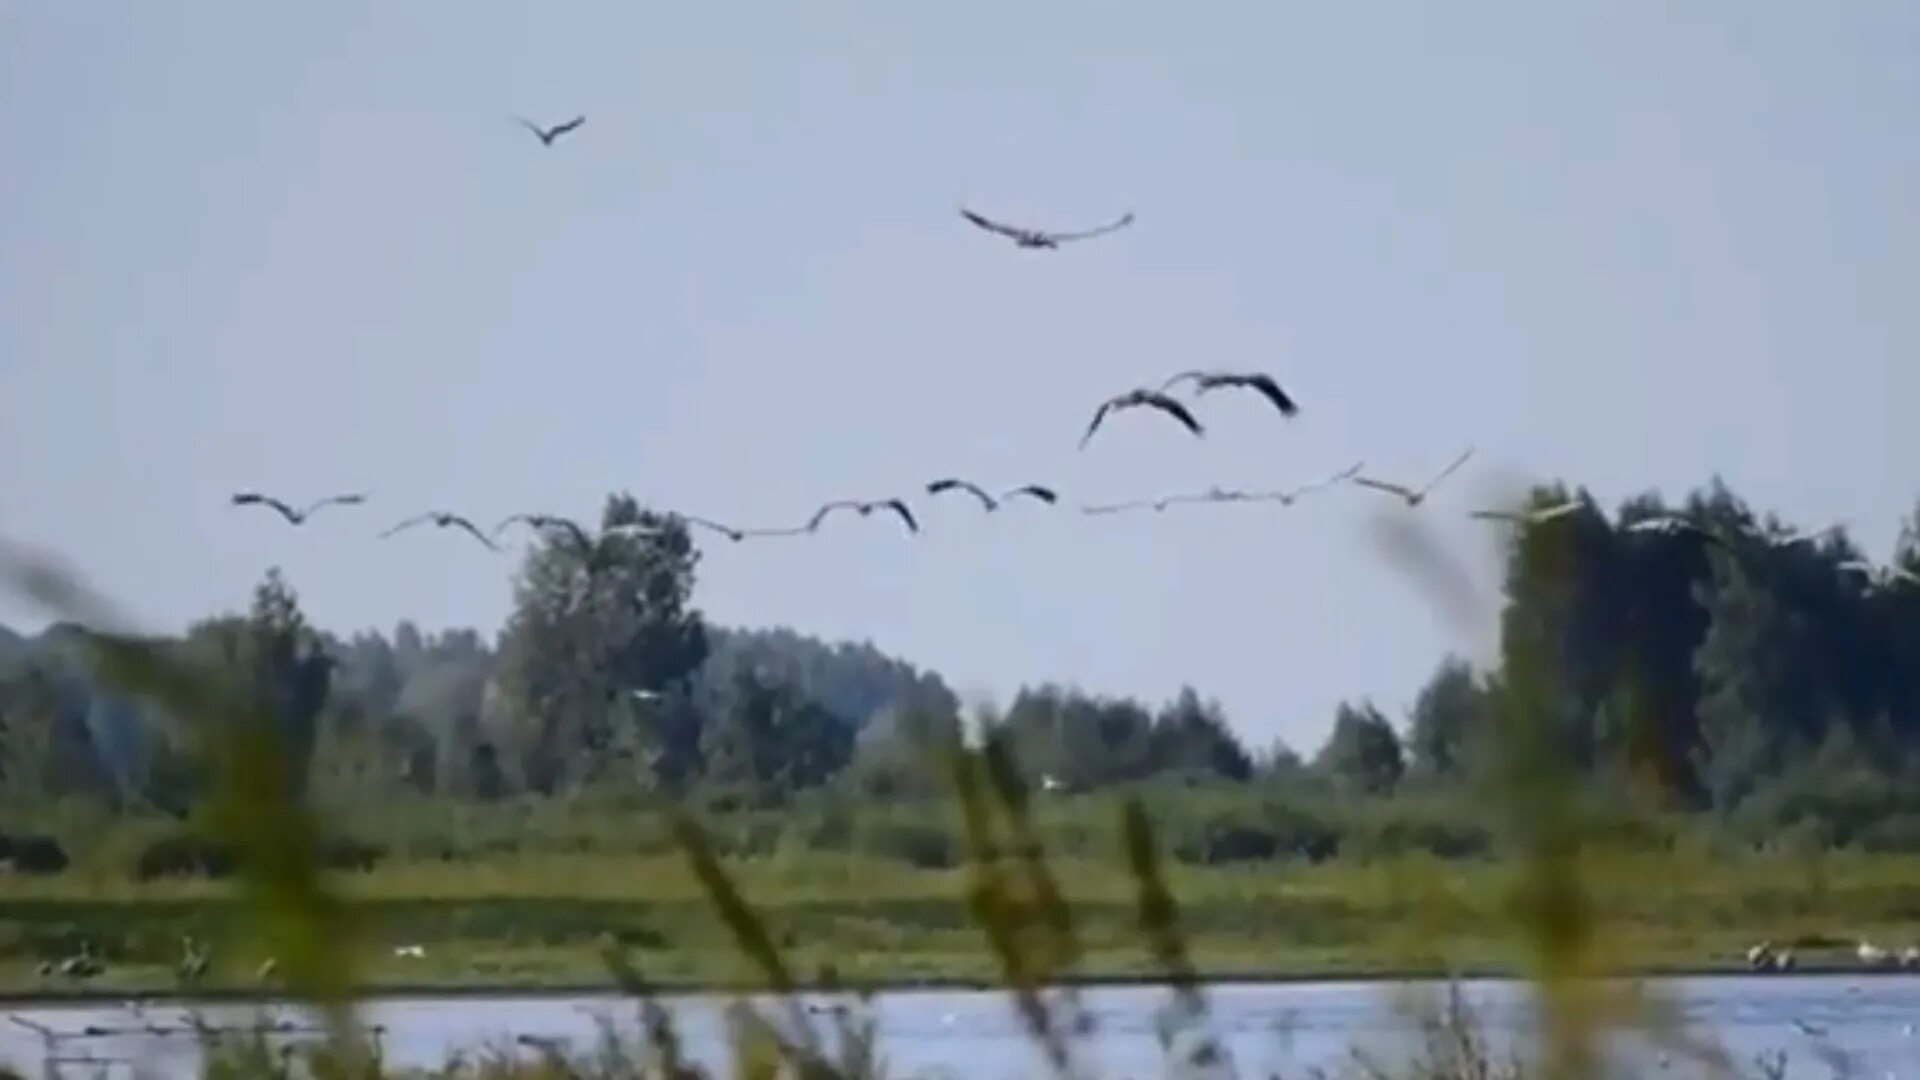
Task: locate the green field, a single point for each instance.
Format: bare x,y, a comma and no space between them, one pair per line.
541,921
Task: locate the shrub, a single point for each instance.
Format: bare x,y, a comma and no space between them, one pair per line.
925,846
33,854
183,855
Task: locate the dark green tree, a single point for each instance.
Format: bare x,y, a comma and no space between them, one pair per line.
1192,736
1448,718
591,625
1363,751
774,739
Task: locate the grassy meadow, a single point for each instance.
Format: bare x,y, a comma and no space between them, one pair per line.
543,918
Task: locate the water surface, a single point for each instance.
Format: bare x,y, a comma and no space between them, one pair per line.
1269,1029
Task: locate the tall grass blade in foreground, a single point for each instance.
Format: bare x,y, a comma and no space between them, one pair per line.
1160,924
253,808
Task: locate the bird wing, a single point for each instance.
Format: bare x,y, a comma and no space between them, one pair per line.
1347,473
1553,513
1497,515
513,519
249,498
939,486
1099,414
468,527
350,499
899,507
631,528
1114,508
991,225
417,519
828,508
1044,494
561,129
1383,485
1174,409
1185,376
1118,223
538,131
1271,391
727,531
1448,471
572,528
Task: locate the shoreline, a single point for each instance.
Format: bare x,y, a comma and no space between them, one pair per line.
400,992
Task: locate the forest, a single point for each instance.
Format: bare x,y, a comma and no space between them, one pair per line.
1738,681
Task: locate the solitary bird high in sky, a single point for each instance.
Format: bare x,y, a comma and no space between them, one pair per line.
1040,239
1135,398
1253,380
442,520
300,515
1414,496
547,135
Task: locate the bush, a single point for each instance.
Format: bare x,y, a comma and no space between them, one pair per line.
1432,836
33,854
346,854
925,846
1227,841
183,856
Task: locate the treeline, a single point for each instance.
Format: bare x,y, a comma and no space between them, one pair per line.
1728,668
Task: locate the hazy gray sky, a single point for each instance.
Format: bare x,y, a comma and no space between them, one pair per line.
305,248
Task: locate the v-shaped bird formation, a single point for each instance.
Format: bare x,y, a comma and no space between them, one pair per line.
1162,400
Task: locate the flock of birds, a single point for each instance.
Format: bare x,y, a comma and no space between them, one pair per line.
1162,399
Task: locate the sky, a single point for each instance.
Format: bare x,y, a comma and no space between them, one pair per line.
306,249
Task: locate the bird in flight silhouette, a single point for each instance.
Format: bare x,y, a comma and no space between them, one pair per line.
547,135
441,519
1252,380
1136,398
296,516
1414,496
1038,239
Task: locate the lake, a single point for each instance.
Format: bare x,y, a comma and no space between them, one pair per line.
1268,1028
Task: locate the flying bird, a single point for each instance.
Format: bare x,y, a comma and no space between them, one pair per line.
547,135
1205,381
1033,491
864,508
441,519
1119,507
1138,397
1212,494
1536,516
296,516
545,523
953,484
728,531
1288,497
1038,238
899,508
1414,496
